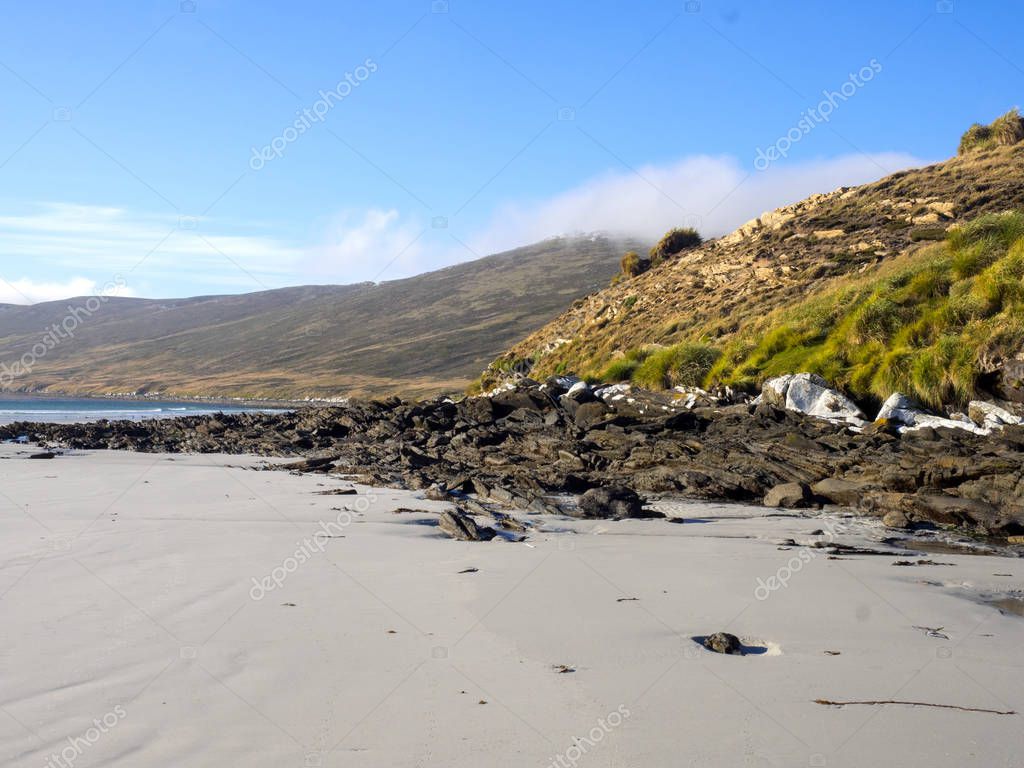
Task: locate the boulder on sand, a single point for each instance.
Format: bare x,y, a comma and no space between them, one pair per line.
723,642
788,496
613,501
461,526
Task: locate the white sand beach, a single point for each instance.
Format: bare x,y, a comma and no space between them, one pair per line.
150,615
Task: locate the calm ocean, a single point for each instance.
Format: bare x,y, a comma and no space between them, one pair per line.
75,410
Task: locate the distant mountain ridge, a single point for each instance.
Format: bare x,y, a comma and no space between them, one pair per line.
416,336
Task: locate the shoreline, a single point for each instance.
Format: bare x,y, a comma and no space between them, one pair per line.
519,445
184,400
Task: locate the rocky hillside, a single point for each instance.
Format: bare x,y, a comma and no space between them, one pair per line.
421,335
675,323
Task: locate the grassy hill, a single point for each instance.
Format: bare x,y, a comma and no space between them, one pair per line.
416,336
932,323
911,283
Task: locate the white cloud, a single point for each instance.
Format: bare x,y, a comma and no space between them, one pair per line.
714,194
368,245
26,291
63,238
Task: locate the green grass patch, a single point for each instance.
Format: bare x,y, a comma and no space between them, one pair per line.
624,367
679,365
923,325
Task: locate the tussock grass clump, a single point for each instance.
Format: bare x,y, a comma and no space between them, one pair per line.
1004,131
1008,129
976,137
632,265
674,241
680,365
928,325
623,368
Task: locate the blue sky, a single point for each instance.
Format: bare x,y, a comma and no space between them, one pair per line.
129,131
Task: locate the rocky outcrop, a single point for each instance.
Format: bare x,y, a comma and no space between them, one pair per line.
526,447
990,416
981,418
810,394
1009,380
906,414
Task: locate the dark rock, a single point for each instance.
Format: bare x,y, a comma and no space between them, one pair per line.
589,415
479,409
611,502
436,492
723,642
1010,381
463,527
882,427
557,386
43,455
317,464
944,509
530,398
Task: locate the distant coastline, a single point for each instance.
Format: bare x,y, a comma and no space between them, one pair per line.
53,408
211,400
